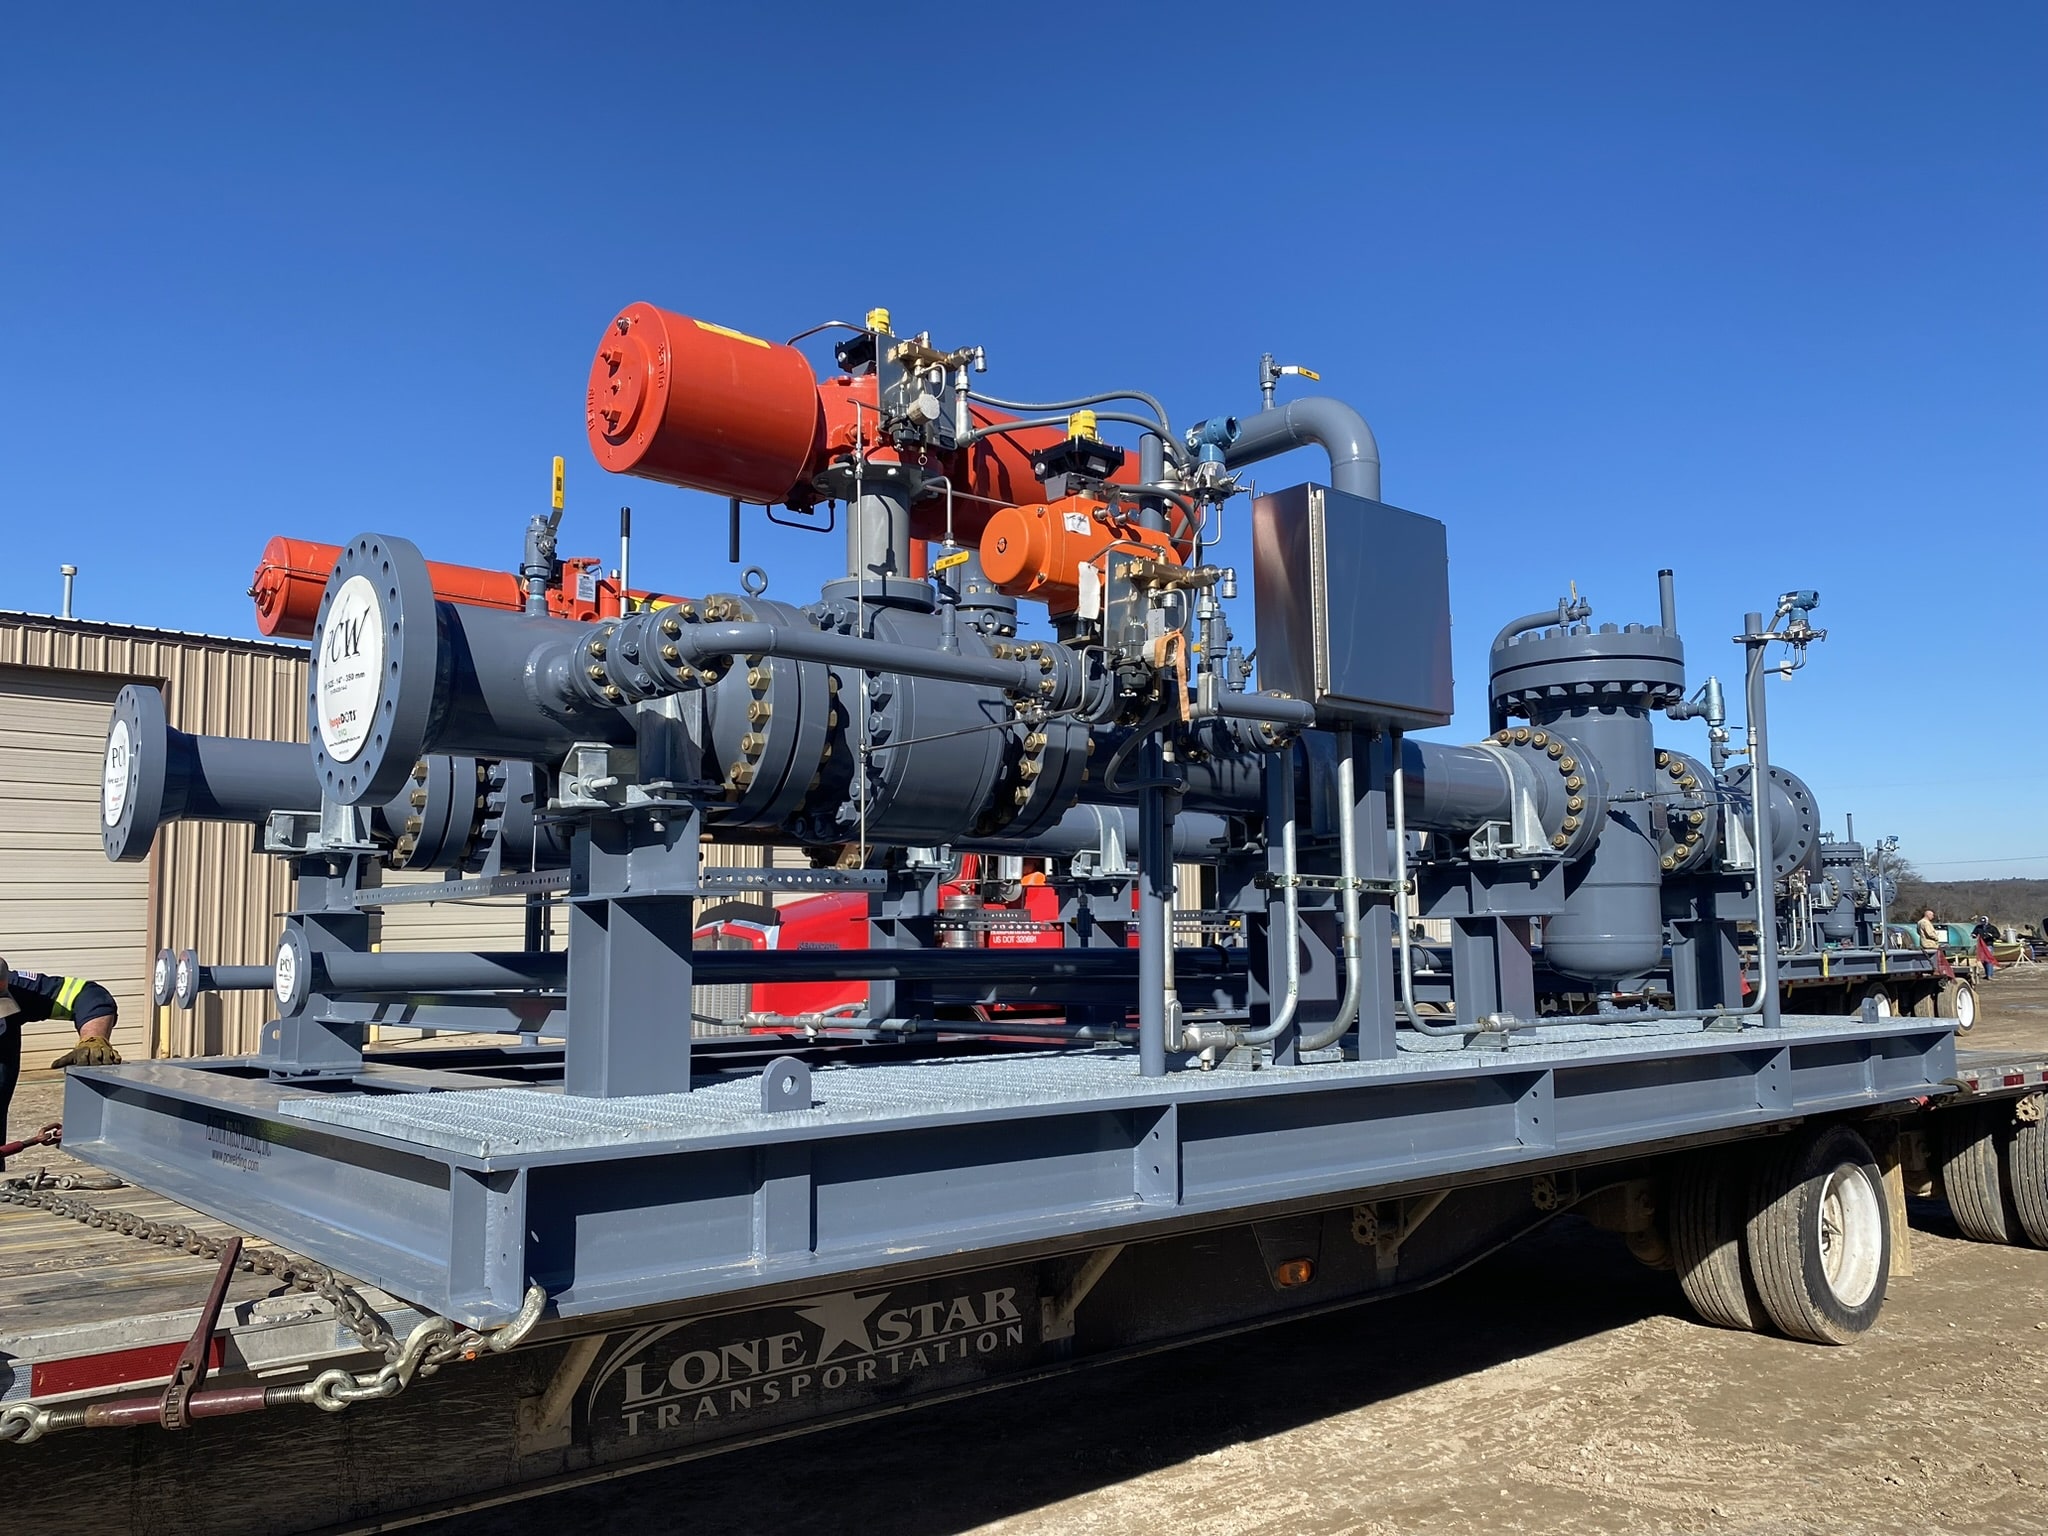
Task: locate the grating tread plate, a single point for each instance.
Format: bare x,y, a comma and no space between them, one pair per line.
492,1121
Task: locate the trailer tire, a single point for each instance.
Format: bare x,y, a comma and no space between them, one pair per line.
1707,1190
1878,993
1819,1235
2026,1167
1970,1161
1959,1002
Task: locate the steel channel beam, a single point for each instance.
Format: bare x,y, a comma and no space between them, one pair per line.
458,1220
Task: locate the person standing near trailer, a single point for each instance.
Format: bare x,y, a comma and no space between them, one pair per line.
27,997
1934,938
1986,935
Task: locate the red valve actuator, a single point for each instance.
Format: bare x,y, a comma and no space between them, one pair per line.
293,574
712,409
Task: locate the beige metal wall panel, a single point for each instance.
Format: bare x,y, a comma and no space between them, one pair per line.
206,888
64,909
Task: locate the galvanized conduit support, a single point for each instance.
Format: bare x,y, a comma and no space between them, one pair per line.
1155,911
1756,639
1280,825
1347,856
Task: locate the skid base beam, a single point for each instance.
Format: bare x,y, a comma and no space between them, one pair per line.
454,1199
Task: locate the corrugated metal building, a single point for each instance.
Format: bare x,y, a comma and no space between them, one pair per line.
63,907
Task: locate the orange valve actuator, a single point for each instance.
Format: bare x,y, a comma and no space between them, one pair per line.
700,406
1038,552
293,574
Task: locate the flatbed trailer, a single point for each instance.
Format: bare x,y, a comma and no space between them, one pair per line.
1902,982
606,1385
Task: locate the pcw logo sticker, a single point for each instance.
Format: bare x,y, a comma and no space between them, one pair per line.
351,675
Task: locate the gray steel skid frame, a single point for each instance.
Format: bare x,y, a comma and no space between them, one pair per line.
455,1200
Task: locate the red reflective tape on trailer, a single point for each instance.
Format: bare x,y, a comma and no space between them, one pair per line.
51,1378
2015,1079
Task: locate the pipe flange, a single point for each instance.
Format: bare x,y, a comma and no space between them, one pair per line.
133,774
376,654
1634,666
163,979
1792,811
1687,814
766,721
1571,790
292,982
442,814
185,988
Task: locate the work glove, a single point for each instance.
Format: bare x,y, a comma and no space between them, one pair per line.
90,1052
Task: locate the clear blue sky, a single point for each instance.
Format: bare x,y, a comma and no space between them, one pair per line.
1755,291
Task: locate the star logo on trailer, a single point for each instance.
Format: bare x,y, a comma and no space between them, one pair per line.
844,1318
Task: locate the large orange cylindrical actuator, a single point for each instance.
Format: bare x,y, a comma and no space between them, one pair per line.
1038,551
293,573
697,405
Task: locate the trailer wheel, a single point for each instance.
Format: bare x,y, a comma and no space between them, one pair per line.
1969,1159
1819,1237
1959,1002
1706,1209
2026,1166
1875,993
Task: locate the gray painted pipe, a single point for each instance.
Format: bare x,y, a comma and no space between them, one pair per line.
1196,835
1454,789
226,779
1566,612
742,637
350,971
1319,421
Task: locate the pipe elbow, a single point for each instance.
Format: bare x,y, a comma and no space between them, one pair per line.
1320,421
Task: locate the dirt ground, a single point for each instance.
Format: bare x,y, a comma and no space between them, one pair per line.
1559,1386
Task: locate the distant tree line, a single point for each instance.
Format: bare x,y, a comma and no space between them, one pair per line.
2018,903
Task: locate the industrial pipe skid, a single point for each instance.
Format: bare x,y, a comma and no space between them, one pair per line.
1030,661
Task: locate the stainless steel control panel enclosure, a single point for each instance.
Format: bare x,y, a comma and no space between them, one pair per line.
1354,607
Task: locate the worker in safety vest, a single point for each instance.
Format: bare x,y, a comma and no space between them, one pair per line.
28,998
